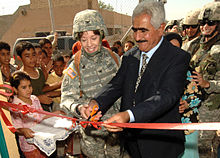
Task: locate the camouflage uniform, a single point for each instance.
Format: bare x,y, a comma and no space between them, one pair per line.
191,19
206,60
95,72
192,46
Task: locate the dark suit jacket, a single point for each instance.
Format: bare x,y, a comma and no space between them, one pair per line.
157,98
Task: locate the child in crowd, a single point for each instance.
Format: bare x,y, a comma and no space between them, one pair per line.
47,46
118,45
40,63
128,45
21,84
5,57
55,80
66,56
26,52
39,53
45,63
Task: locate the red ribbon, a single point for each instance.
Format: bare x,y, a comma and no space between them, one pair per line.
6,93
7,122
171,126
6,87
168,126
24,109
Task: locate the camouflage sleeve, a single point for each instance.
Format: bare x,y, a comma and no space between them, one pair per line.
185,46
70,91
215,82
214,87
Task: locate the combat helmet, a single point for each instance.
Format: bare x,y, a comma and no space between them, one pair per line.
171,23
210,11
88,20
192,18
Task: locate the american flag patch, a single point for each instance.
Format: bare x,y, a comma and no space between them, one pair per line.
72,74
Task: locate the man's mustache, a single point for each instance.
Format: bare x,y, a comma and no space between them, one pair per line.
141,41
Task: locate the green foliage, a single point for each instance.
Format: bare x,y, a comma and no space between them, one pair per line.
102,5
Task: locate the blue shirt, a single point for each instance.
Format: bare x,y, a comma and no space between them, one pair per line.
149,54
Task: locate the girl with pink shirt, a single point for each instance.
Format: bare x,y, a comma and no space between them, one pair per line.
21,84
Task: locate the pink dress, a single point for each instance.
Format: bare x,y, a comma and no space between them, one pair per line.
26,121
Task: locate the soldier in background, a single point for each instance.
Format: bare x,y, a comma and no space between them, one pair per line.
182,31
92,67
172,26
191,26
206,63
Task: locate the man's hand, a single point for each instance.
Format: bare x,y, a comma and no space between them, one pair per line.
183,106
121,117
197,77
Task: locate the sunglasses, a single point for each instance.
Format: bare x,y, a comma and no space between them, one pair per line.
210,23
192,26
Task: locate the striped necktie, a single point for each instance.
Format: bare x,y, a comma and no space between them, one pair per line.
143,67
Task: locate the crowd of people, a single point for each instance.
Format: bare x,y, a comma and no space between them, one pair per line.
168,73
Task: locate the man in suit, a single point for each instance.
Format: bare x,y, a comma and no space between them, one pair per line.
155,99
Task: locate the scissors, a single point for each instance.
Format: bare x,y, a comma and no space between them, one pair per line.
92,116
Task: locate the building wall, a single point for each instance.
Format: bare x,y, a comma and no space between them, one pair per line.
35,17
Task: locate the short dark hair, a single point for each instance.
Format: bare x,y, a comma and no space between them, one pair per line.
16,78
172,35
96,32
58,57
44,41
22,46
36,45
114,49
4,45
118,43
67,53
